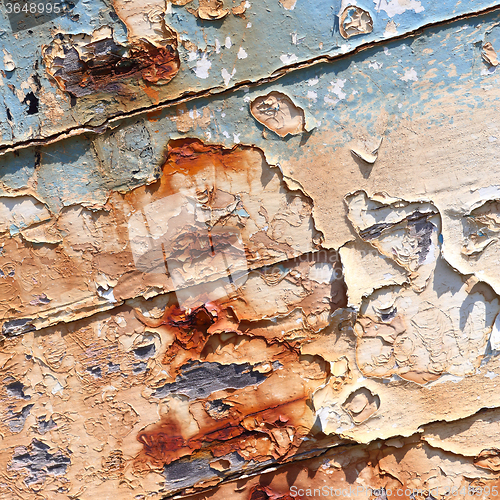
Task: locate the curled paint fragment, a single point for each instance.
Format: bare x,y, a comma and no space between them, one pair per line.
211,10
278,113
481,229
489,459
355,21
8,62
240,9
489,54
361,405
20,212
367,156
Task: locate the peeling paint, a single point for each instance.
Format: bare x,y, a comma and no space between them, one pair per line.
249,250
278,113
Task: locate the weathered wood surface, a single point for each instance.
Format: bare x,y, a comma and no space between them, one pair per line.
250,250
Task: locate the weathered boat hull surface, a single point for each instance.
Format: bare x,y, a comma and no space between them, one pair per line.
250,250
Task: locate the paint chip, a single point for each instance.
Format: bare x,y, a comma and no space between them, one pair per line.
410,75
355,21
288,58
227,76
202,67
489,54
277,112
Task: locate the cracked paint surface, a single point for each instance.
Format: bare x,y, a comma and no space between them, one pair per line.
249,250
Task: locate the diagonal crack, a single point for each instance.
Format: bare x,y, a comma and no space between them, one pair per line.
111,122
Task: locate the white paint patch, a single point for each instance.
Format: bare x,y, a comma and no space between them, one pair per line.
193,114
242,53
492,138
217,46
395,7
488,71
491,375
375,65
20,212
202,67
387,52
249,25
225,134
288,58
495,335
8,62
108,295
236,138
227,43
344,48
247,4
312,95
329,100
487,193
321,272
445,378
336,88
227,76
410,75
312,81
192,56
57,388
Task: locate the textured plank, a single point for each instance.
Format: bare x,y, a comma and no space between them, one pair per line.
288,286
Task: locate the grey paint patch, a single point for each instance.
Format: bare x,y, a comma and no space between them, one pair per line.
16,421
113,368
139,368
199,380
145,351
16,390
45,425
95,371
39,462
217,409
17,327
184,472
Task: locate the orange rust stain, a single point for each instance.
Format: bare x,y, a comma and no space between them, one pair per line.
152,93
191,157
164,443
154,116
263,421
191,327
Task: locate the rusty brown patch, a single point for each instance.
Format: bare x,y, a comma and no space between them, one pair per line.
83,66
